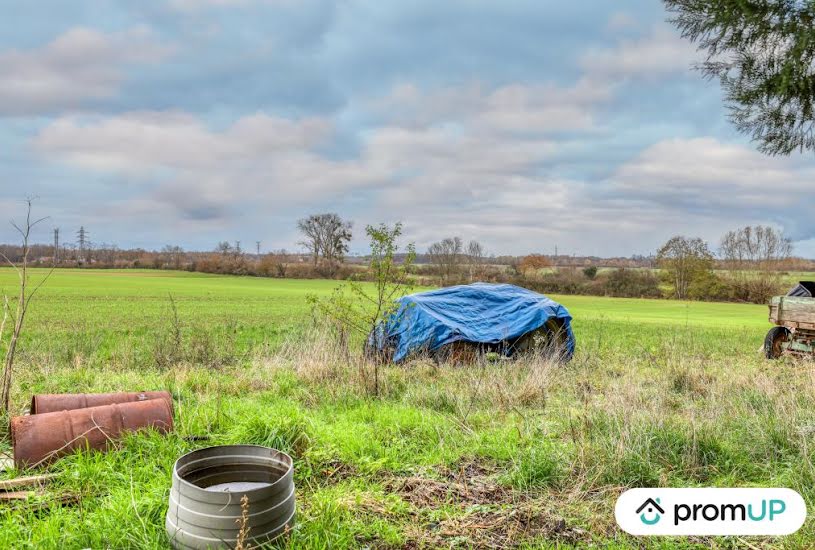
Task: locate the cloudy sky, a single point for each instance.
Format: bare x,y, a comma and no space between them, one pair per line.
525,124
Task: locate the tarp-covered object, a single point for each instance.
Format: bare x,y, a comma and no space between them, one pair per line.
804,289
480,312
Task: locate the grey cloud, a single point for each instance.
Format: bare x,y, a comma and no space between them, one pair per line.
480,160
76,67
518,109
197,5
661,51
469,178
200,171
712,173
146,141
721,181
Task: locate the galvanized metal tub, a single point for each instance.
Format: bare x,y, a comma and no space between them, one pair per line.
55,402
207,488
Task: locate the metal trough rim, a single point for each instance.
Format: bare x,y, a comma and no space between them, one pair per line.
191,458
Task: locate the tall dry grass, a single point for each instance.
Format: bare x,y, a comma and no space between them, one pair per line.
571,436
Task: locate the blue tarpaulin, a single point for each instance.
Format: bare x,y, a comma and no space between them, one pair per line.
481,312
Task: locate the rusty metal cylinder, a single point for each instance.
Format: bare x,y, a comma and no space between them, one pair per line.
205,508
53,402
41,438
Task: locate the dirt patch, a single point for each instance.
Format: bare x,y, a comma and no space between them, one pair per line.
337,471
469,484
503,528
463,506
484,513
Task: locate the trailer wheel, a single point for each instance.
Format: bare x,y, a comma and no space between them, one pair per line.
550,340
774,340
460,352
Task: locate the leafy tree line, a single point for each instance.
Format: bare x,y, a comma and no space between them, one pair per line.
748,266
752,259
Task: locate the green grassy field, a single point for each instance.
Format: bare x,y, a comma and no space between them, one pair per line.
521,454
111,316
107,313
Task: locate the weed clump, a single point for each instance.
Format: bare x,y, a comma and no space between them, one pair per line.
282,425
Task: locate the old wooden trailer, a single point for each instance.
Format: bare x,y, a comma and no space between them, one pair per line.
794,317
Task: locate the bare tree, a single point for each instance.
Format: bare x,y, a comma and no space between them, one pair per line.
173,256
445,255
753,258
105,253
223,248
326,237
475,259
23,300
683,260
365,309
275,263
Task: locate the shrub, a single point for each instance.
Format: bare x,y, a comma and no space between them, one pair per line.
282,425
590,272
533,264
272,265
753,288
562,281
632,283
710,287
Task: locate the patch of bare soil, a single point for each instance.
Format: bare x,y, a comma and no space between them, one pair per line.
470,484
336,471
485,513
482,512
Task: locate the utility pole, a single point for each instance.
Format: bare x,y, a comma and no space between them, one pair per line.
257,247
56,245
237,248
82,240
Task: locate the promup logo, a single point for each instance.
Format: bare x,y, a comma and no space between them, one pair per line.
650,506
710,511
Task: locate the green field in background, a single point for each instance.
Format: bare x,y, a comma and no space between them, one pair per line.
135,298
102,314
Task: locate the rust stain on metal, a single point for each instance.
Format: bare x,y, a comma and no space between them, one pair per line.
54,402
42,438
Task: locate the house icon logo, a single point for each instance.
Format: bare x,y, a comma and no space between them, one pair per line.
650,512
710,511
